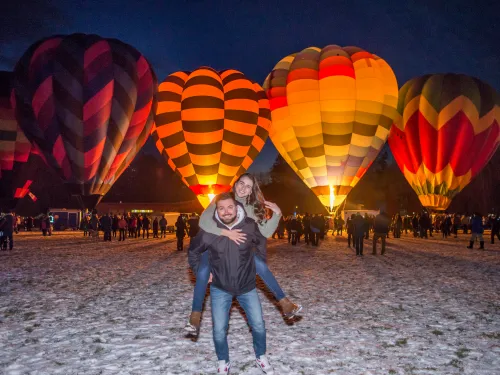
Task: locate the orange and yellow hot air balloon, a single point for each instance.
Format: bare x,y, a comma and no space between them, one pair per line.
210,126
331,111
447,132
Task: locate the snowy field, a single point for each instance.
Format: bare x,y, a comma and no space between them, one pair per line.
69,305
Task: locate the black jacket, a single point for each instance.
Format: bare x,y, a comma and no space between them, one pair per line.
359,225
8,224
232,265
106,223
381,224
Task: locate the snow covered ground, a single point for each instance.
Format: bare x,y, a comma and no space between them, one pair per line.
69,305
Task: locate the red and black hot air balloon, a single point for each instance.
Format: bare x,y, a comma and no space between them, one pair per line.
15,150
88,104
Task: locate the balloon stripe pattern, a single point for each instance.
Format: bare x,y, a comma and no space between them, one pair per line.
88,104
210,126
448,129
332,110
14,146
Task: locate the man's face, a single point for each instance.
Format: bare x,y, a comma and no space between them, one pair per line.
226,209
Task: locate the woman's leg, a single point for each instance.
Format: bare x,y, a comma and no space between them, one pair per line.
200,288
267,276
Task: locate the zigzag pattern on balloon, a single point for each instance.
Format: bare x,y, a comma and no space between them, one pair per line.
332,109
88,103
447,131
210,126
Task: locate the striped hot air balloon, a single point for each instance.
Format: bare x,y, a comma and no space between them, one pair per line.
15,150
447,131
88,104
210,126
331,111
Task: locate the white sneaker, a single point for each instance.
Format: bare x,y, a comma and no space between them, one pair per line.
264,365
223,367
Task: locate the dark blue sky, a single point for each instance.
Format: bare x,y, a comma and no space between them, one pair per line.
252,35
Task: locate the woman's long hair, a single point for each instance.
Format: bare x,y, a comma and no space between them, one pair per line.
255,198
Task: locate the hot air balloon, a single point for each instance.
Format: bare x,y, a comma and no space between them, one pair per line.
88,104
447,131
210,126
331,112
15,150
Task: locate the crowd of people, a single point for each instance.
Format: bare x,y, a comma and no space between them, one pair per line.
313,228
136,226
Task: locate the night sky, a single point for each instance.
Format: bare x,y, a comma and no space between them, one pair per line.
252,36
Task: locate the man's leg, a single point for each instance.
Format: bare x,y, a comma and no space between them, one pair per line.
221,304
11,240
383,244
251,304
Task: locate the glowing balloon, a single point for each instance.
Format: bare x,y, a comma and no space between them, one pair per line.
210,126
447,132
331,111
15,150
88,104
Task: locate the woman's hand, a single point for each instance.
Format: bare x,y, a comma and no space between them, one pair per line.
273,207
210,279
235,235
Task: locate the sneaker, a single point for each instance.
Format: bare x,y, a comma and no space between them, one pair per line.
264,365
193,325
223,367
289,308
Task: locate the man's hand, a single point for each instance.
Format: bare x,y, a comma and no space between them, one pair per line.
273,207
210,278
235,235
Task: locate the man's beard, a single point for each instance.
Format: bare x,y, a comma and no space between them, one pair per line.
228,220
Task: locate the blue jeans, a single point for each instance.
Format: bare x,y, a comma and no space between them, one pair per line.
203,274
221,305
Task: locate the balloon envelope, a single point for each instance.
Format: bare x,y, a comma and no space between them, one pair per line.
448,129
88,104
331,112
210,126
15,150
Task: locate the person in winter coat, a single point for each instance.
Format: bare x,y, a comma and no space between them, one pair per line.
233,270
350,230
306,221
94,223
380,230
193,225
180,232
7,227
163,227
146,222
292,228
477,230
495,228
122,226
359,224
247,192
133,227
155,227
456,224
106,226
114,226
316,226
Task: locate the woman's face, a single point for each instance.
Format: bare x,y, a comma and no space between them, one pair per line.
244,187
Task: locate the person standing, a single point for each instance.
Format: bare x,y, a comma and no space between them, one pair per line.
477,230
163,227
7,227
106,225
122,226
233,273
316,224
193,225
306,221
350,230
495,228
380,229
146,222
114,226
155,227
359,233
180,232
